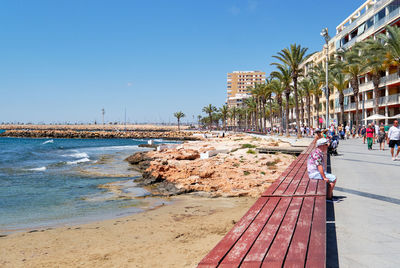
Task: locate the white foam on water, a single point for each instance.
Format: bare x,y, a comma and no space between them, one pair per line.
38,169
82,160
115,148
49,141
77,155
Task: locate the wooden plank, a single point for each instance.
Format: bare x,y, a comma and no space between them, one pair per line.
301,190
296,256
296,181
322,187
312,186
278,182
285,184
236,255
277,252
266,237
316,256
221,249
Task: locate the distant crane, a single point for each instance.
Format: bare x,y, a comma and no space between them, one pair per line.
103,112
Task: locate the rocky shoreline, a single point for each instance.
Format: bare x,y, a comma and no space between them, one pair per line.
237,170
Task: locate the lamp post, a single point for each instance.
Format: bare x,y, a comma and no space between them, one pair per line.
324,33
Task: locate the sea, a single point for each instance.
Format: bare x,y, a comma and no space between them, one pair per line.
56,182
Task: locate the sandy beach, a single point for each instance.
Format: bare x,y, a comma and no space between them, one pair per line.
178,234
175,235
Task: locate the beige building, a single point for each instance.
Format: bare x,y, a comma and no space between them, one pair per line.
369,20
238,83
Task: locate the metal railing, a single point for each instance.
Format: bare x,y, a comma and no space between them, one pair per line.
392,99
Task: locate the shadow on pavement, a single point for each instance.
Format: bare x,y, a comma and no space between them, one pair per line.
332,257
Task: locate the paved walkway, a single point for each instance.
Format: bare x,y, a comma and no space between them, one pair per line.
367,217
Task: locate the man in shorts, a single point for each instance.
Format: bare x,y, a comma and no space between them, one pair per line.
316,169
393,139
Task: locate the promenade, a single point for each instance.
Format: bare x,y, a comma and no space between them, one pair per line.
364,226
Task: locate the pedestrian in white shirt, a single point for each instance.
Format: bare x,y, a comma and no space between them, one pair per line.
393,139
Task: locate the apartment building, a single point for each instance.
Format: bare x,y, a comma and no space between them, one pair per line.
369,20
238,83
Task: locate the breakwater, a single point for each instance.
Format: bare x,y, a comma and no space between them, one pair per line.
84,134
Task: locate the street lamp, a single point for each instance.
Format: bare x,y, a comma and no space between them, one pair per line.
325,35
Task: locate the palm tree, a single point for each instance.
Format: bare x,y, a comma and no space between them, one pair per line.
257,92
264,96
268,97
251,108
293,57
340,83
302,94
224,114
283,75
199,120
232,114
317,92
178,116
353,66
277,89
318,74
374,53
307,85
209,109
392,43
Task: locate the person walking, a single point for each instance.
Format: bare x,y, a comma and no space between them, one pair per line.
347,128
376,129
316,169
393,139
370,136
363,133
381,138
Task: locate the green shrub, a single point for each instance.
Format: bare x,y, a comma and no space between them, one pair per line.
250,151
247,145
246,173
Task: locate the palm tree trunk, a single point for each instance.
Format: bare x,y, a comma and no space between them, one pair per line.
265,118
296,102
375,81
255,117
287,112
308,109
354,85
302,111
225,123
341,102
281,117
317,104
270,113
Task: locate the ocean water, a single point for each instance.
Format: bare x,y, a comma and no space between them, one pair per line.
51,182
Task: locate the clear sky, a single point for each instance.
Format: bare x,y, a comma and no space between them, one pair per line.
65,60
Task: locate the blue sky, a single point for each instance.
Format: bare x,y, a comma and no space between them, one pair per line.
65,60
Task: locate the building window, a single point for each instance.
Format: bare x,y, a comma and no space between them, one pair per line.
370,22
361,29
394,5
353,34
380,15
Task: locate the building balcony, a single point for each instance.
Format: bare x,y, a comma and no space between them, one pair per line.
368,104
385,81
371,30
